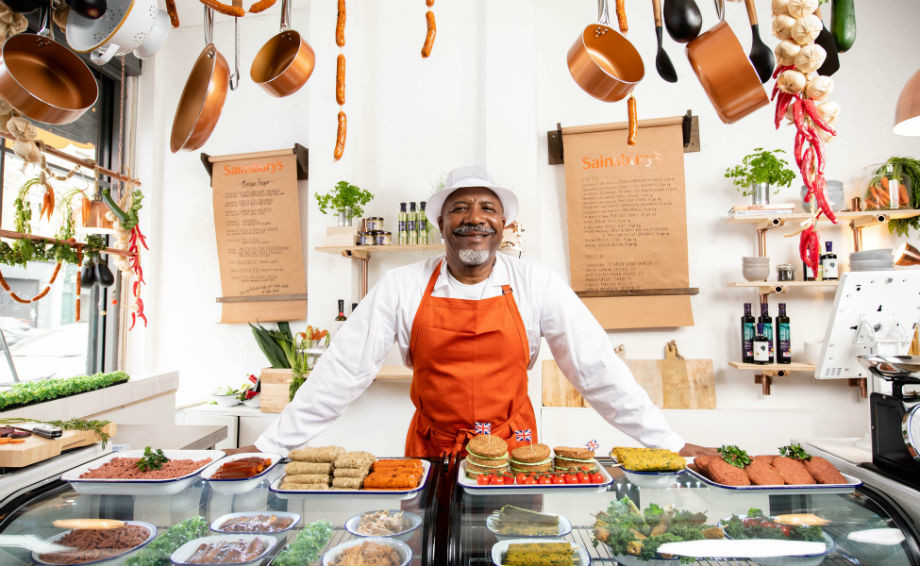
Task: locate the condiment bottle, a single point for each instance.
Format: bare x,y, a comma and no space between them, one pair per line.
422,226
747,335
412,225
829,262
403,225
767,322
761,346
783,337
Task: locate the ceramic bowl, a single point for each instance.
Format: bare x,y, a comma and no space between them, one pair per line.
405,553
226,400
411,522
884,253
755,273
181,555
112,560
565,527
755,260
651,480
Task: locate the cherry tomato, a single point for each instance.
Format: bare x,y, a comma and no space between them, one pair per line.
482,479
558,479
544,480
498,480
597,477
586,469
570,478
531,480
787,530
581,477
520,478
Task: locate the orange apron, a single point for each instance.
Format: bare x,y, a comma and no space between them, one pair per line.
469,363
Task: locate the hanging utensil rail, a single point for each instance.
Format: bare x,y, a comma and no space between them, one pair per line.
77,245
88,163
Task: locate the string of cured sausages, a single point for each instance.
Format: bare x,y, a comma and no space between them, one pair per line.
432,29
36,298
340,81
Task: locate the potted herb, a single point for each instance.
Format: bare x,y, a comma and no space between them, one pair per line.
758,171
346,200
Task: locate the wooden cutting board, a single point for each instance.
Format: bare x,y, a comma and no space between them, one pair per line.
36,449
671,383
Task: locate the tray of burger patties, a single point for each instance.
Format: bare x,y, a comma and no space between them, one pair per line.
490,468
793,470
332,470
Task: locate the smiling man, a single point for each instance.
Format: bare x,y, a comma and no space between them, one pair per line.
469,324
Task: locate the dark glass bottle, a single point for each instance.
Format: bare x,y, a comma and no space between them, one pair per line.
761,346
353,307
783,337
747,335
767,322
829,262
340,319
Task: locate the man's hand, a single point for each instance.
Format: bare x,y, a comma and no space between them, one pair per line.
693,450
250,448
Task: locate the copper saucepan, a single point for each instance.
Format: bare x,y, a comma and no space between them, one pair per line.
285,62
603,62
203,97
44,80
726,73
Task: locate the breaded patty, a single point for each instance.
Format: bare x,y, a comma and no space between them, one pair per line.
487,446
570,452
761,473
530,453
793,471
702,463
765,459
724,473
823,471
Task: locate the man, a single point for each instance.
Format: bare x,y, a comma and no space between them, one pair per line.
469,324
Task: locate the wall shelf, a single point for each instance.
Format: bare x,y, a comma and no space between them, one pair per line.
363,254
767,287
394,374
857,219
768,371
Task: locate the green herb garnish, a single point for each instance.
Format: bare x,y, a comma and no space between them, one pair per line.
795,451
157,552
734,456
29,392
72,424
152,460
307,548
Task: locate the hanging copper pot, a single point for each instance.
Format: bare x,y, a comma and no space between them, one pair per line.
285,62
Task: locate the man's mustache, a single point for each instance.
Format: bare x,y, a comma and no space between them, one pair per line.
467,228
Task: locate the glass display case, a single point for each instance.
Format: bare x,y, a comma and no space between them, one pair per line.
861,526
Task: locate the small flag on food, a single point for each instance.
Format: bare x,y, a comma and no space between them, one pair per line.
483,428
592,445
523,435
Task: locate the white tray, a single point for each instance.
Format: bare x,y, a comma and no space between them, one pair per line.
109,561
565,527
501,547
851,484
139,486
472,487
219,522
397,493
181,555
233,487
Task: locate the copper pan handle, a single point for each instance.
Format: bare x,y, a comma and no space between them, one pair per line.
720,9
235,77
44,25
603,13
285,15
208,26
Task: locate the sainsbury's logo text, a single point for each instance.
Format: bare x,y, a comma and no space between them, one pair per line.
622,160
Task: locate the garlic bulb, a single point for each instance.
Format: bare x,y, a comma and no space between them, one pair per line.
782,27
791,81
780,7
785,52
825,136
829,111
805,29
810,58
801,8
819,88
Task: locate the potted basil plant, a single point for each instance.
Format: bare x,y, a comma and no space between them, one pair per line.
346,200
758,172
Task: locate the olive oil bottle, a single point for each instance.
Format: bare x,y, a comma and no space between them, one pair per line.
747,335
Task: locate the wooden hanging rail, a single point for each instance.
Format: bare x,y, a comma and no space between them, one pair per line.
88,163
78,245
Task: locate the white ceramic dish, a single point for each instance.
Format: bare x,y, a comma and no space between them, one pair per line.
183,553
472,487
848,487
565,527
364,493
138,486
111,561
799,560
501,547
881,547
651,480
226,400
630,560
405,553
411,522
217,525
233,487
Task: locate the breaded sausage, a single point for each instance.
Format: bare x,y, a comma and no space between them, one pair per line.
823,471
621,16
235,11
340,80
261,6
340,25
633,137
793,471
429,37
761,473
340,137
173,15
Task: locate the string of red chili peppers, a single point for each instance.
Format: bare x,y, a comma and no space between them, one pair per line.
810,159
134,262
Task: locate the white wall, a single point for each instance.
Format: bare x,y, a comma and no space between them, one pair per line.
495,83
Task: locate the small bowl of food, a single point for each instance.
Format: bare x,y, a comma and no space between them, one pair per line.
256,522
387,523
226,396
247,550
94,545
651,480
363,550
514,522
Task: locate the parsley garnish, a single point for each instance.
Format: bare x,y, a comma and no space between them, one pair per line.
152,460
734,456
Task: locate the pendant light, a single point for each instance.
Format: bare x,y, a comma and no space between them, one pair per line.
907,112
96,221
906,254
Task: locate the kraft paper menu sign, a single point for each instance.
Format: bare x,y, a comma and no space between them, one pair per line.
627,221
257,221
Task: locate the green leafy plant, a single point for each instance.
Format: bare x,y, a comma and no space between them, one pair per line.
308,545
907,171
734,455
30,392
342,197
794,451
761,166
277,345
157,552
152,459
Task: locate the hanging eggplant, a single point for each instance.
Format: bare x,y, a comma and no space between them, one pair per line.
88,275
104,275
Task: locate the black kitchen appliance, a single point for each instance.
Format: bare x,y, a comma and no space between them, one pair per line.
896,417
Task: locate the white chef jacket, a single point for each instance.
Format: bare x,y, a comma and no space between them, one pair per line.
549,308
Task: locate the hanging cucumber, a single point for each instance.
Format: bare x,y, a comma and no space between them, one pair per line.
843,23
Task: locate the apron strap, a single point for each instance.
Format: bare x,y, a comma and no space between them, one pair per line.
416,322
518,320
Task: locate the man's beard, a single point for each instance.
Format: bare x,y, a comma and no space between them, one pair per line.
474,257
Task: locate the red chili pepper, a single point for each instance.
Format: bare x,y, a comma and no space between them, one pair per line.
133,320
812,112
781,68
782,104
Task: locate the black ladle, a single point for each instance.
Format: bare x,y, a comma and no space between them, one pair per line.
761,56
682,19
662,61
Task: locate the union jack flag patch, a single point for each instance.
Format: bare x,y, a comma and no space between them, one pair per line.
592,445
483,428
523,435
